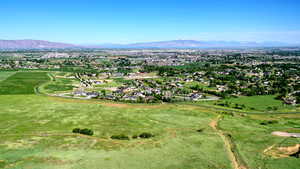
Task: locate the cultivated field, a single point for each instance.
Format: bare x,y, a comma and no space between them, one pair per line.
4,75
22,82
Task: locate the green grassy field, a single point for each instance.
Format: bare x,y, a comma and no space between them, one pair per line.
22,82
5,75
111,83
266,103
194,83
59,85
252,139
257,102
36,133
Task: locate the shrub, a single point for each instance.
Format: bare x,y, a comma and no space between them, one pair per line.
120,137
273,122
76,130
83,131
135,136
199,130
146,135
269,122
87,132
263,123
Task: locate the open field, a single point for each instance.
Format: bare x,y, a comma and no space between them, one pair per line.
36,132
22,82
5,75
254,104
260,103
58,83
254,142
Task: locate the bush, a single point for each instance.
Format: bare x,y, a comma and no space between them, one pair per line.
76,130
146,135
200,130
120,137
269,122
87,132
83,131
273,122
263,123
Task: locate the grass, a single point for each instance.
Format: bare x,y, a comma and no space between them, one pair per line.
59,83
5,75
111,83
256,103
252,138
177,144
22,82
194,83
36,132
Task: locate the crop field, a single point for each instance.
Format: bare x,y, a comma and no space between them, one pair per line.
4,75
59,85
22,82
36,132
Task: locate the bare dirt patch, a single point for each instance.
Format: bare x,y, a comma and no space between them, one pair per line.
284,152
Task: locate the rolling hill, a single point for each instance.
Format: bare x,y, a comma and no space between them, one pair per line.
33,44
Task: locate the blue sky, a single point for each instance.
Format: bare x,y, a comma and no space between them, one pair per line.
127,21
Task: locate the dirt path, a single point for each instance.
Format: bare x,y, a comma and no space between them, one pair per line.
234,161
269,148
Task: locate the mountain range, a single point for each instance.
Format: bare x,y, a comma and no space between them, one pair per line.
198,44
40,44
33,44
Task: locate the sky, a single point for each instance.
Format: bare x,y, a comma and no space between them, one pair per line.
130,21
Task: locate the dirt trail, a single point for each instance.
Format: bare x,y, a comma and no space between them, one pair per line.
269,148
235,163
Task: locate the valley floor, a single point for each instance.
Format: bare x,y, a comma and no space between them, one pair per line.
36,132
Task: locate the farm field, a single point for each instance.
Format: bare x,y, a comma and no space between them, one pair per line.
22,82
60,82
4,75
36,132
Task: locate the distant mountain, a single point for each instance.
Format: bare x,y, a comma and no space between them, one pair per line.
33,44
196,44
40,44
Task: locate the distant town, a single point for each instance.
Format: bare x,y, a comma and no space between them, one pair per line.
164,75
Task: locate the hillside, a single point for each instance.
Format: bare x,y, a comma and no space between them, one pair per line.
32,44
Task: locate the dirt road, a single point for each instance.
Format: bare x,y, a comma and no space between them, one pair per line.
234,161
